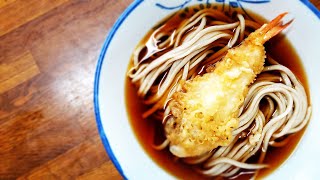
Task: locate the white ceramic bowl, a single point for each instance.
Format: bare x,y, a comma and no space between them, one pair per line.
116,133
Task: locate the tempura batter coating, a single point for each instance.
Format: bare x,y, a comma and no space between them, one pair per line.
205,111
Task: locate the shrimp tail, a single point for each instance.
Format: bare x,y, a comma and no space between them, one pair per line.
274,27
267,31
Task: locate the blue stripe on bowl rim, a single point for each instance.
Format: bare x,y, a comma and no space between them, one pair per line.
104,49
311,7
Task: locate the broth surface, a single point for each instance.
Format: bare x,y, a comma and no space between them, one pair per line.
150,131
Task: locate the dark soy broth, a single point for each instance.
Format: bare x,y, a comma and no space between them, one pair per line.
150,131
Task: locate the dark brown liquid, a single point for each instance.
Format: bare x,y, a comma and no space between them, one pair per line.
149,131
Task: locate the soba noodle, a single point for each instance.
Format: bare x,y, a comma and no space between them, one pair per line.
196,44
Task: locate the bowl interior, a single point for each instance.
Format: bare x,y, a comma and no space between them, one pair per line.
114,128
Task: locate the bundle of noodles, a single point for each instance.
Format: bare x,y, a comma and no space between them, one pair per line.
172,61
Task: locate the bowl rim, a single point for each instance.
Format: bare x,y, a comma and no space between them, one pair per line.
101,59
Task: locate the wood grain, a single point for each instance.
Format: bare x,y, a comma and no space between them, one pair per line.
48,55
78,160
5,2
20,70
16,13
47,124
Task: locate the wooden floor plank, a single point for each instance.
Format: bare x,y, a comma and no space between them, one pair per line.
73,163
20,12
105,171
20,70
5,2
32,138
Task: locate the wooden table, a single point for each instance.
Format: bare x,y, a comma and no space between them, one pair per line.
48,55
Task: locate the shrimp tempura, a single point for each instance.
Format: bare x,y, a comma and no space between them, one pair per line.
205,111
